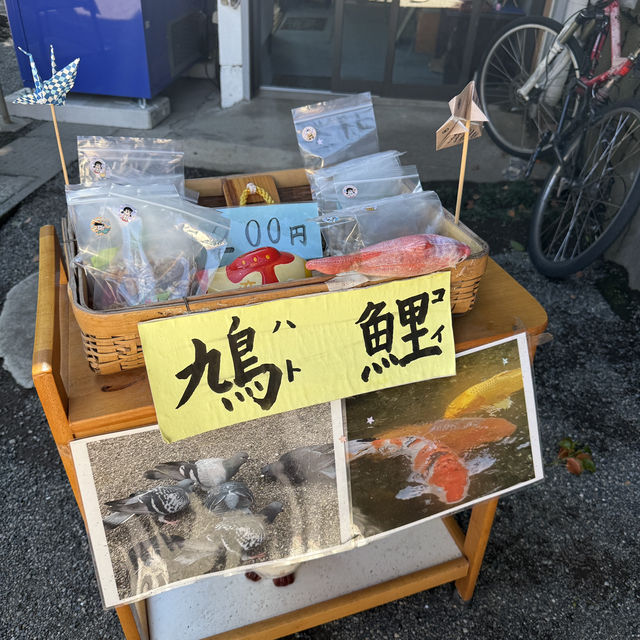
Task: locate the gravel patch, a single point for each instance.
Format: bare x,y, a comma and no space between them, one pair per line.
562,559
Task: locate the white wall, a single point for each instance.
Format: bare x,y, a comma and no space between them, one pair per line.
233,39
562,9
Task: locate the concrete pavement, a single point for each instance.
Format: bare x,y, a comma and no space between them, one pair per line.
251,136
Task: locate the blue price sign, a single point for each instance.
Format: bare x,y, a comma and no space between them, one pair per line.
283,226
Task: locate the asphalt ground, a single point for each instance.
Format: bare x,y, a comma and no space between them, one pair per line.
562,560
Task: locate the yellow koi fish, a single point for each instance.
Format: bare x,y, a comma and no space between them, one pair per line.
493,392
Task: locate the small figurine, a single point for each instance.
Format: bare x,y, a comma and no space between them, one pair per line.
266,265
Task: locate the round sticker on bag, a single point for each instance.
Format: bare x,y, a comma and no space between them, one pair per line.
127,213
350,191
99,167
100,226
309,134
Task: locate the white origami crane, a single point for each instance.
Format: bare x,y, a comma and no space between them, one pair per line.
53,91
465,114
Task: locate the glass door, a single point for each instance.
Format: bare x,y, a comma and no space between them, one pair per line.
399,48
292,43
361,51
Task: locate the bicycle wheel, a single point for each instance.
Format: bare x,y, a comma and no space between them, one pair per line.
515,125
591,195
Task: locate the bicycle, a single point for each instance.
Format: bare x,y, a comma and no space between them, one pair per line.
541,93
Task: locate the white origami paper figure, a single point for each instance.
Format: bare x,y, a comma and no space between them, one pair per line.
464,124
465,116
53,91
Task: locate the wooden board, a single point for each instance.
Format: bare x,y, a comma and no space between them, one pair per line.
234,187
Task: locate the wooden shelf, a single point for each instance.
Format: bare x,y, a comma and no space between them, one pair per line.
79,403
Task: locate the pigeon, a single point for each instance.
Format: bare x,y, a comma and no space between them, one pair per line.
240,533
245,533
302,464
161,502
206,473
229,496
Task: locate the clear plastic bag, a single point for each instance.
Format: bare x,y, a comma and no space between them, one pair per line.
335,131
135,161
355,228
401,180
140,245
374,164
340,234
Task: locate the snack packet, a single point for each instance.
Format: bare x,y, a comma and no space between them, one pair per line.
134,161
141,245
336,130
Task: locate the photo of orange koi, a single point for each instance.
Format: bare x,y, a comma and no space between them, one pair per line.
401,257
459,434
435,468
491,393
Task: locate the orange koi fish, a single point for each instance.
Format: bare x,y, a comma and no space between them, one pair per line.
460,435
435,468
401,257
491,393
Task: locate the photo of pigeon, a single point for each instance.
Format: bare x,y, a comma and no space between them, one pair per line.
302,464
207,473
161,502
253,497
240,533
229,496
245,533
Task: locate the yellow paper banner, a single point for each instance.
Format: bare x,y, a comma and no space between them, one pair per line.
210,370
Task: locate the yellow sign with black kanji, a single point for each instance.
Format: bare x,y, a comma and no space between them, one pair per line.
218,368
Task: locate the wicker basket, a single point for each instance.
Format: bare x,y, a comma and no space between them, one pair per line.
111,340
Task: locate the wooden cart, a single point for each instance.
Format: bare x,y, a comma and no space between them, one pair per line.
79,403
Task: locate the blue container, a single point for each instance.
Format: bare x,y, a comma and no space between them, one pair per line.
129,48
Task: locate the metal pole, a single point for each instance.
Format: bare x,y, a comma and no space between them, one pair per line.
4,112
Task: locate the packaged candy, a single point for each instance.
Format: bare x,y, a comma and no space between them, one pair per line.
134,161
335,131
351,229
374,164
354,191
140,245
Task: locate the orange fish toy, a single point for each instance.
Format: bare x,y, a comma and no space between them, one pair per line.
435,468
399,258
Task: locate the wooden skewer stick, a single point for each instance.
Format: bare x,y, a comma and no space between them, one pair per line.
55,126
463,166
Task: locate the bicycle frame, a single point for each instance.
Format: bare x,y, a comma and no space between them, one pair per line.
620,66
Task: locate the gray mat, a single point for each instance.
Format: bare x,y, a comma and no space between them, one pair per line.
17,329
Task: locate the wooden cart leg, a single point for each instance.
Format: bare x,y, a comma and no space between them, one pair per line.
128,622
475,544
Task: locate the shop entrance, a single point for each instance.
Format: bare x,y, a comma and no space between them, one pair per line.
399,48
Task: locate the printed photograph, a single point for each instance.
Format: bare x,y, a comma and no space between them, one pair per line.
222,501
427,448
